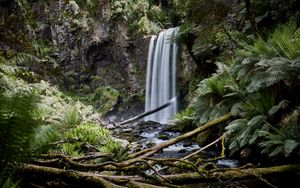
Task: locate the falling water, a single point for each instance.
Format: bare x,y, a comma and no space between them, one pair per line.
161,76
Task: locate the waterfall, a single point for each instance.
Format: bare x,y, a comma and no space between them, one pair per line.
161,76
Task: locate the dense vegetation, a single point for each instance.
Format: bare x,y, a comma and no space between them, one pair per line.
247,65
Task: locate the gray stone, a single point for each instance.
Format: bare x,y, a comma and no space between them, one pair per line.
124,143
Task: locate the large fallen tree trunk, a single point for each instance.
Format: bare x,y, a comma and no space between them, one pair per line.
170,102
232,173
154,149
185,178
88,179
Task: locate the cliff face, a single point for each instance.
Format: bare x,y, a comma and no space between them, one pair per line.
92,50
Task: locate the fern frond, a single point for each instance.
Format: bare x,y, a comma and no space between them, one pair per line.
44,137
281,69
17,123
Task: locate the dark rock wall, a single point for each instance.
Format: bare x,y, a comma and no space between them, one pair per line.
92,51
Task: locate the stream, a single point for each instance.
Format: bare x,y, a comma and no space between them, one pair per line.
144,135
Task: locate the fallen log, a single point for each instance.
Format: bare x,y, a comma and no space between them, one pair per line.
232,173
170,102
68,175
150,151
135,184
128,165
87,179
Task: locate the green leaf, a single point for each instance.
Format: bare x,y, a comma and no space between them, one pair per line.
289,146
257,120
282,105
277,151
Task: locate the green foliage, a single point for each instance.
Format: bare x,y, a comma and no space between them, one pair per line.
215,96
256,112
135,14
185,119
267,63
88,132
17,123
10,184
243,132
283,141
71,116
258,73
276,10
283,42
44,137
248,88
114,148
69,126
84,137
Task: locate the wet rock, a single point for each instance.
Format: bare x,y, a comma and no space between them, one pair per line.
187,144
135,147
150,144
182,151
163,136
110,126
124,143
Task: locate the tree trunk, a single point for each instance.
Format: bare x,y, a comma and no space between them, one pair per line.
251,15
170,102
88,179
230,173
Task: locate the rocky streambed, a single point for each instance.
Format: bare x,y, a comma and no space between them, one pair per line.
142,135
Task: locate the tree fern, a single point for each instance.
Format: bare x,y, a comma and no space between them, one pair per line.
266,63
282,142
17,123
242,132
216,95
283,42
254,111
271,72
184,119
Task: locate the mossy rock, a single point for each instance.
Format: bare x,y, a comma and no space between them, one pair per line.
163,137
105,98
202,138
